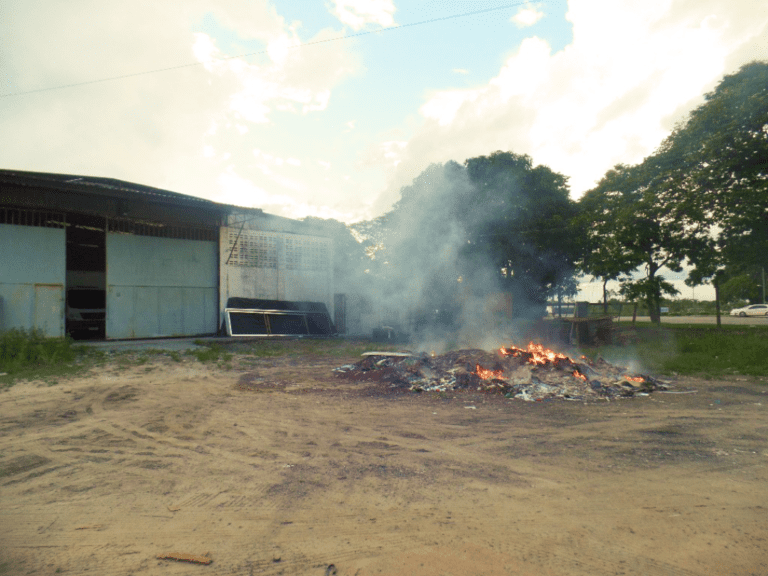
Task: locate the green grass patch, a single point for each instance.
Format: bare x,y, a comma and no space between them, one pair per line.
20,349
696,350
211,353
30,355
720,352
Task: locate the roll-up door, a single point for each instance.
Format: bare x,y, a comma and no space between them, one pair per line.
32,273
160,286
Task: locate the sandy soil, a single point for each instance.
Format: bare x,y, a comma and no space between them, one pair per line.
278,467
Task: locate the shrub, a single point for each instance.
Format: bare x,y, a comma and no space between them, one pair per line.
21,349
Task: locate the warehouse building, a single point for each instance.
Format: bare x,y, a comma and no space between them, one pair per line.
98,257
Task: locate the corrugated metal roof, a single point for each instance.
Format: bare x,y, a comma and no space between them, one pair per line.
113,188
105,187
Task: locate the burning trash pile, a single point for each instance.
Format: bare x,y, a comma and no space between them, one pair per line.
532,374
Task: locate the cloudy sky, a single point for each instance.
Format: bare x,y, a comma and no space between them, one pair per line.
328,107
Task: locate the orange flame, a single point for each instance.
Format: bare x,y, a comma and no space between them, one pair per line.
578,374
539,354
486,374
634,378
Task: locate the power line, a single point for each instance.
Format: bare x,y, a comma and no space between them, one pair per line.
190,65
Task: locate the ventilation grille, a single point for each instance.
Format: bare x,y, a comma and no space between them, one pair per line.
22,217
141,228
259,249
253,249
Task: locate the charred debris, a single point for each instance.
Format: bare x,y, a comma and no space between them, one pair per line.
532,374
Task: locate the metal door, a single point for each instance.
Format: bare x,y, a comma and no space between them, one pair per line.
49,301
32,276
160,286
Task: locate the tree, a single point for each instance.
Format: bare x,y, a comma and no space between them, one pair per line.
743,288
718,163
349,257
636,224
601,253
461,233
523,224
418,246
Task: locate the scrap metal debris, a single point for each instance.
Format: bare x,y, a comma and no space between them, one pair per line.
534,373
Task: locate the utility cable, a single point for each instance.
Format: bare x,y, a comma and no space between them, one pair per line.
357,35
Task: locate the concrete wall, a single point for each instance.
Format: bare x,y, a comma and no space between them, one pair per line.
32,276
160,286
275,265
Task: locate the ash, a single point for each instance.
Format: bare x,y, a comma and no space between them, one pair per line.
532,374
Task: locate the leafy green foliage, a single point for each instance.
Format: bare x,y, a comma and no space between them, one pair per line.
700,198
21,349
523,224
717,166
631,227
460,233
742,288
349,256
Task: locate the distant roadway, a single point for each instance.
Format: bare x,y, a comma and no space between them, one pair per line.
724,319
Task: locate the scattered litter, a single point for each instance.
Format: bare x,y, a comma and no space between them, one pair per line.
345,368
182,557
471,407
173,508
331,570
533,374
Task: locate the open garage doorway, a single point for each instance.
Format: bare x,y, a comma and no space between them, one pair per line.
86,277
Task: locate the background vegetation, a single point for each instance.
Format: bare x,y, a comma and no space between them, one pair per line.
694,350
698,204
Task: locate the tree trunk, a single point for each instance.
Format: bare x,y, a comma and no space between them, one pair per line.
716,284
653,298
605,297
654,309
634,314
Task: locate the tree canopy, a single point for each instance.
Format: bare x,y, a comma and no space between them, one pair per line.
494,224
700,199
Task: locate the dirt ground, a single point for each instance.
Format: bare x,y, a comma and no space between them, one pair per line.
278,467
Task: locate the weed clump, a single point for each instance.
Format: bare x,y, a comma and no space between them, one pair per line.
21,349
213,353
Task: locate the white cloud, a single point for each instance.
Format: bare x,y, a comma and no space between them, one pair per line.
177,129
527,17
393,151
292,78
357,13
324,165
388,153
270,167
460,71
633,70
240,191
